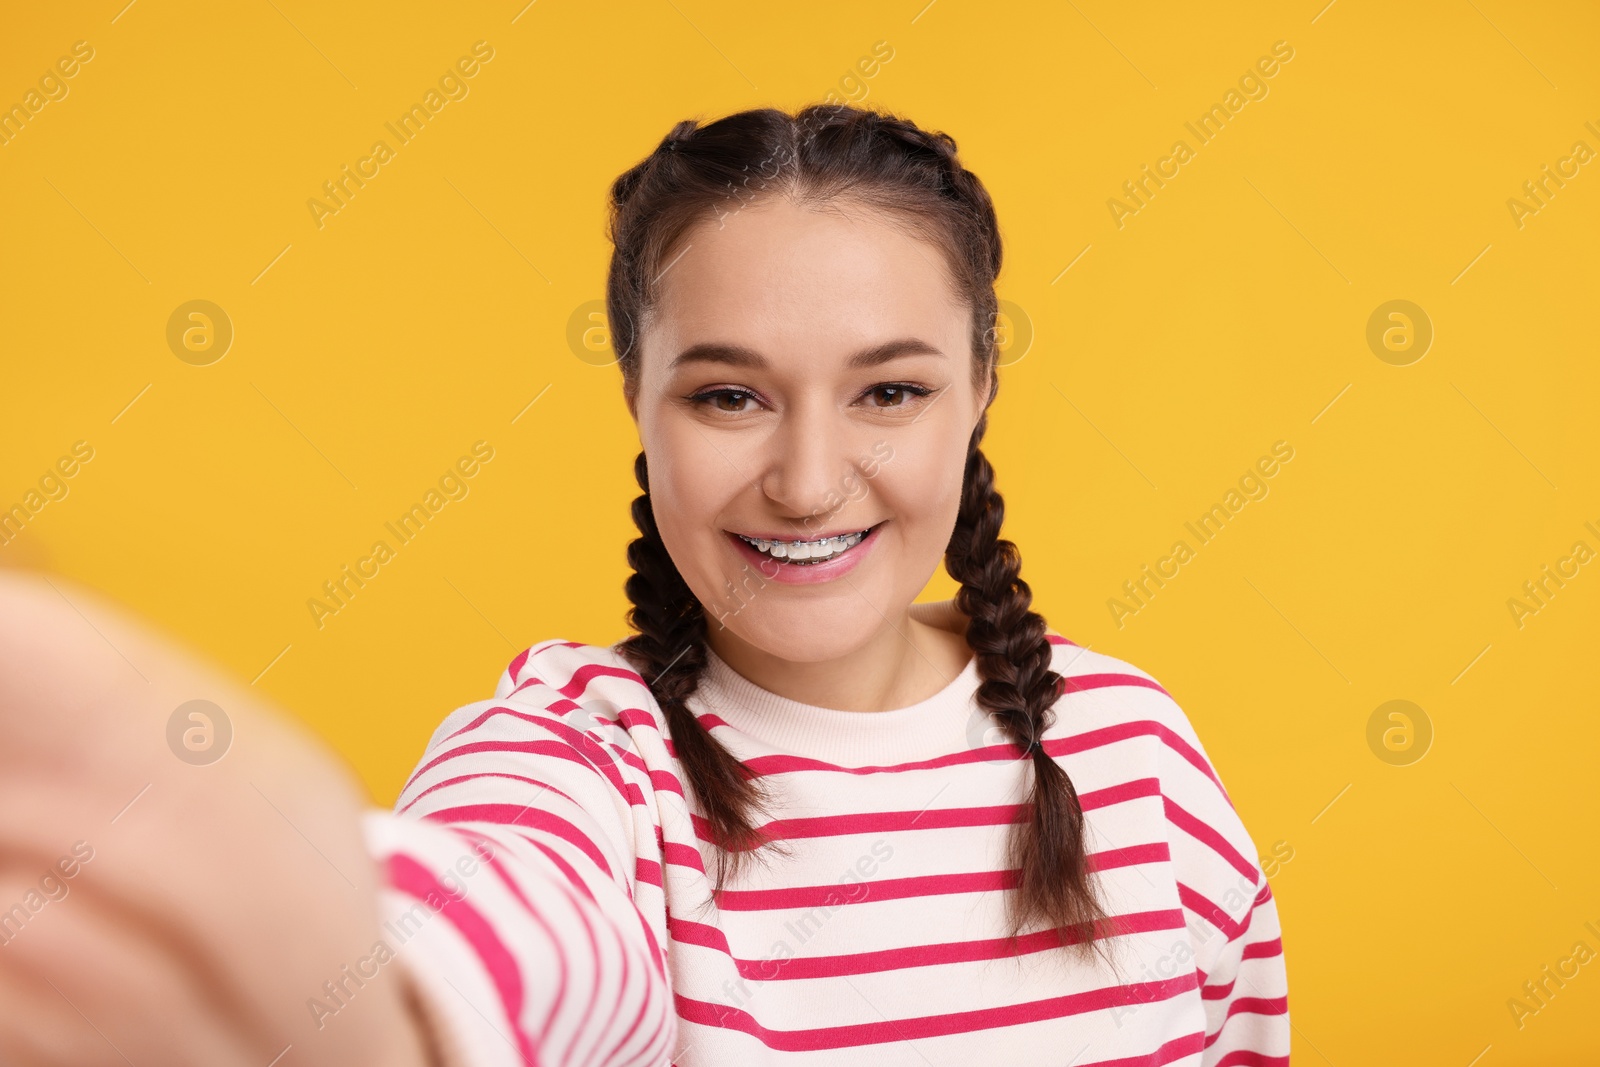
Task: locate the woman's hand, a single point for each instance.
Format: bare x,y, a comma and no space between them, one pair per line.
171,894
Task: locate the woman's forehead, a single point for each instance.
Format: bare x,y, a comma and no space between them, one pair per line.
779,270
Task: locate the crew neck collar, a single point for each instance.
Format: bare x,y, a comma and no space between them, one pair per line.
934,726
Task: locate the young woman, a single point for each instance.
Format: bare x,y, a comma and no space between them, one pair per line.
793,819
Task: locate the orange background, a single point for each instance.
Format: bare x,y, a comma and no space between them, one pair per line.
1155,356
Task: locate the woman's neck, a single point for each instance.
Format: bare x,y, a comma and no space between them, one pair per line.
908,660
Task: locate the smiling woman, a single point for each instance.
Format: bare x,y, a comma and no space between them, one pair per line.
1026,879
1037,853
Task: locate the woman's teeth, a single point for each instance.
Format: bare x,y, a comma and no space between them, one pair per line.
806,551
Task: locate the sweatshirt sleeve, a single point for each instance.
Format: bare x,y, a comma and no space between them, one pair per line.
1245,992
1229,909
521,896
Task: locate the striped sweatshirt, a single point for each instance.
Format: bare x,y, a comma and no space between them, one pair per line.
547,890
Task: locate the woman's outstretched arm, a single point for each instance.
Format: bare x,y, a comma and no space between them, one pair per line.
158,905
554,808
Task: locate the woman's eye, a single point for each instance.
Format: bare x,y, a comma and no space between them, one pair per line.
897,396
729,400
883,397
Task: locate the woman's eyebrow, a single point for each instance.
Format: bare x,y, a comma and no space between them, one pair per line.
740,356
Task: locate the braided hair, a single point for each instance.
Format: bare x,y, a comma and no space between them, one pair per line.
700,174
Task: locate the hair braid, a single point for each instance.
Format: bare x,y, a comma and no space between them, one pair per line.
669,651
1019,688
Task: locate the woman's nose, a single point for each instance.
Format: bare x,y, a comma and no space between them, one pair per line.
810,461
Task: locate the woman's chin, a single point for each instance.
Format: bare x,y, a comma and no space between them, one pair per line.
800,636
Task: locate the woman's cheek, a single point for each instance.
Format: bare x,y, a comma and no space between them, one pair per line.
932,517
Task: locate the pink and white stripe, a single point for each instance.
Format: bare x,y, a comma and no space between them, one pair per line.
590,937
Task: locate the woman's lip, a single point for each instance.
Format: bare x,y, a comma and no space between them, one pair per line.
787,537
806,573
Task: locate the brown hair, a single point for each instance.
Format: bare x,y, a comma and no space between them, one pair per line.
818,155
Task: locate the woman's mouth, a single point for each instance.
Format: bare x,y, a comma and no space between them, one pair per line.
807,552
809,560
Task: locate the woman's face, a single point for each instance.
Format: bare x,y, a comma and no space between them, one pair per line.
805,373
